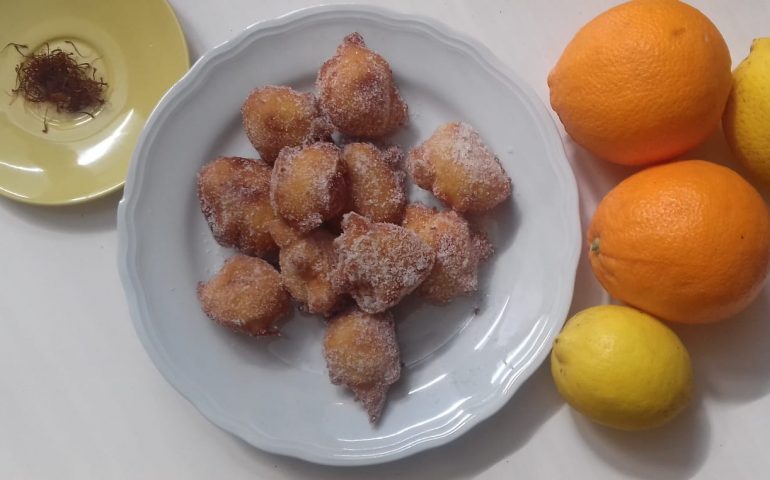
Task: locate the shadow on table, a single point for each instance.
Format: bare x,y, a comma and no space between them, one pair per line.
674,451
731,359
480,448
595,178
98,215
715,149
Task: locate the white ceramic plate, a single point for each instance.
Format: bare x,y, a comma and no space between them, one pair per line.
463,361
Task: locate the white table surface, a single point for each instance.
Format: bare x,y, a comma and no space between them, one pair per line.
81,399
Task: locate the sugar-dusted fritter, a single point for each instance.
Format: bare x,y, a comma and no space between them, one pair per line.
246,296
234,194
459,250
308,186
362,353
307,263
378,264
276,117
456,165
376,183
357,91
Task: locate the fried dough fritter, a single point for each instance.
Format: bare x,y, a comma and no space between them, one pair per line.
460,170
378,264
234,194
459,250
307,263
245,296
362,353
276,117
376,184
357,91
308,185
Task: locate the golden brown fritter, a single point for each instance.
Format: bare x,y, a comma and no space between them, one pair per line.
376,184
308,186
362,353
458,249
307,262
357,91
277,117
460,170
234,194
378,264
246,296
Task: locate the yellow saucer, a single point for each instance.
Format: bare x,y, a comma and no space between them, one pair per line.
137,47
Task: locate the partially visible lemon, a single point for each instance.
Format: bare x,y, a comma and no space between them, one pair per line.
622,368
746,118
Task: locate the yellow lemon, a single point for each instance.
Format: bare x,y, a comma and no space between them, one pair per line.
622,368
746,118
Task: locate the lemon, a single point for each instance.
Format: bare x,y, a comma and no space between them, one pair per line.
622,368
746,118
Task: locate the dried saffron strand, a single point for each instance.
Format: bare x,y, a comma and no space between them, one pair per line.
57,78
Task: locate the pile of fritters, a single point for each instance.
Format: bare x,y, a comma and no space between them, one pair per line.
349,245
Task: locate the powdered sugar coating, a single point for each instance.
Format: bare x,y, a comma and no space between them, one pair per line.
276,116
382,263
307,186
246,296
377,189
234,195
379,263
459,250
357,91
362,353
307,262
460,170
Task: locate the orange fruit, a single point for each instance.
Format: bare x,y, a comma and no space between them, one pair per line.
643,82
687,241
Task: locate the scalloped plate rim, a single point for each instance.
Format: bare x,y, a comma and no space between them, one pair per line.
127,232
